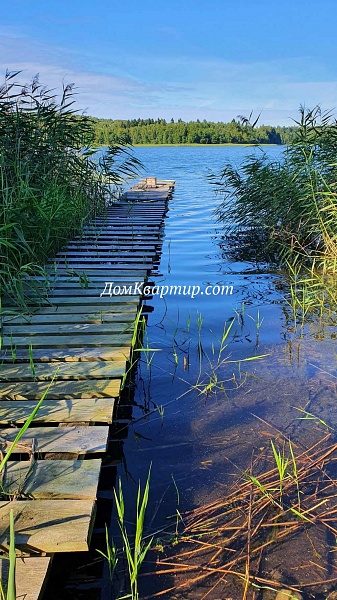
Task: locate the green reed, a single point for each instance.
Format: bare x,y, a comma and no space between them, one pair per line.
50,181
135,551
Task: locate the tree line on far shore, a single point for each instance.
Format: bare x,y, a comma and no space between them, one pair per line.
159,131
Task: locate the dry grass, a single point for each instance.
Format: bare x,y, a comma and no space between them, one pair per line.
233,540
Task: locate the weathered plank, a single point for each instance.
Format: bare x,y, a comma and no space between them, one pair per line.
89,302
127,226
101,265
90,293
71,341
98,308
30,574
88,410
81,354
67,328
87,388
108,246
65,277
43,479
107,253
48,526
117,236
96,271
61,440
46,371
85,318
121,262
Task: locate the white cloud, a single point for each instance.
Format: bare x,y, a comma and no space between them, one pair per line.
125,86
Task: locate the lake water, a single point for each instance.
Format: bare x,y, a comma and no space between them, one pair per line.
197,414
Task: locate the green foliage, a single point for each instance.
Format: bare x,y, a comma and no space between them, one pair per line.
111,553
50,182
288,205
150,131
135,553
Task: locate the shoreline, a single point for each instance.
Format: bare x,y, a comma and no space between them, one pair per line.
195,145
208,145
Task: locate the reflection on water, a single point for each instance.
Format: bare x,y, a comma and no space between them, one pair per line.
207,407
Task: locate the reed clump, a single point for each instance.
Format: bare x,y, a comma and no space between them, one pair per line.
50,181
291,204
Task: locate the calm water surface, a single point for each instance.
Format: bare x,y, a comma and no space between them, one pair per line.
186,434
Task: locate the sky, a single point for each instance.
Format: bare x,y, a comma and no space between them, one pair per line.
200,59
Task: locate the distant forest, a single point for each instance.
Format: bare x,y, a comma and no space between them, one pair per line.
151,131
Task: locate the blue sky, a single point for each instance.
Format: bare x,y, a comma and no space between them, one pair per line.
202,59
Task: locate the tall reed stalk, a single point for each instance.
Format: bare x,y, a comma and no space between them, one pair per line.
50,180
290,205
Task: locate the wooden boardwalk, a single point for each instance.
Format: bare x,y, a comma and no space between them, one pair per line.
84,335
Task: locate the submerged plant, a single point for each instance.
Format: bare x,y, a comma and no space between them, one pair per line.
232,539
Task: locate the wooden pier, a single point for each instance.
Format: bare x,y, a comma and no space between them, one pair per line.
81,334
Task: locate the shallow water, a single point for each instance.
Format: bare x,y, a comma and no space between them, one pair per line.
199,413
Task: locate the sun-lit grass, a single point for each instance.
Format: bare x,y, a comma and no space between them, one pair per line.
50,180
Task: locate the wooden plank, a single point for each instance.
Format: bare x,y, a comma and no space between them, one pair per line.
88,410
100,301
87,388
91,283
107,253
89,292
48,526
61,440
140,196
140,221
111,246
89,302
30,575
67,328
145,207
133,234
56,318
65,371
75,278
117,238
96,272
98,309
80,354
94,290
127,228
71,341
53,479
110,259
107,267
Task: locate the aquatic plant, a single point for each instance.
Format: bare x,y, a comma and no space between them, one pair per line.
213,379
230,541
134,547
111,553
291,204
289,208
50,180
135,552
